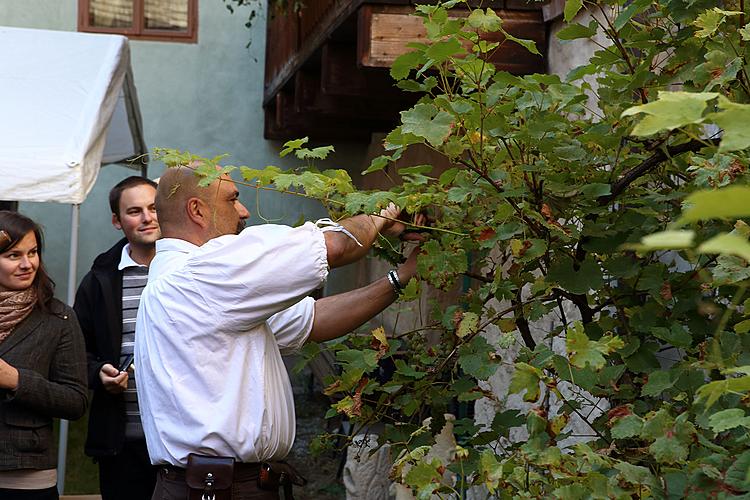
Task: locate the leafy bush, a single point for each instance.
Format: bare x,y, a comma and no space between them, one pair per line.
568,193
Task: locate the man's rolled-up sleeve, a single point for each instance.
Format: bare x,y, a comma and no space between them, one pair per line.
292,326
249,277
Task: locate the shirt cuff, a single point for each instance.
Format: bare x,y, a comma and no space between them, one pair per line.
329,225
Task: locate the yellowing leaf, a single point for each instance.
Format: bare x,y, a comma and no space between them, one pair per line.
727,244
526,377
670,111
729,202
584,352
733,119
558,423
468,324
666,240
710,20
379,334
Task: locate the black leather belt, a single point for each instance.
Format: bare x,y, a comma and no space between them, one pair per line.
242,471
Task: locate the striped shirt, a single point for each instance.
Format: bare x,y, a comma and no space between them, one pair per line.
134,279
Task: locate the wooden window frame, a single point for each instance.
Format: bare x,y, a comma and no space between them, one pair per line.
138,31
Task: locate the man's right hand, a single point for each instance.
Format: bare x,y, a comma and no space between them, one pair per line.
113,380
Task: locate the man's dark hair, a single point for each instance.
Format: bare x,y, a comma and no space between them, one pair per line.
116,192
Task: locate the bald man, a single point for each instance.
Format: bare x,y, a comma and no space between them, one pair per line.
222,305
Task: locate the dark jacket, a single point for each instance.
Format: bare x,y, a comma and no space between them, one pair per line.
47,350
99,308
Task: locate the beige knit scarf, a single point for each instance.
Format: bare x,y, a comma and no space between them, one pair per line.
14,307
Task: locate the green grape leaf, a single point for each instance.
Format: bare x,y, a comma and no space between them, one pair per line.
627,426
574,30
424,475
628,12
572,492
403,369
670,111
426,121
635,474
728,419
571,9
668,449
658,382
405,63
738,474
476,358
529,45
587,277
486,20
320,153
675,335
293,145
443,50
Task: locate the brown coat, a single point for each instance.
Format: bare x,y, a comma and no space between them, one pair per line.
48,351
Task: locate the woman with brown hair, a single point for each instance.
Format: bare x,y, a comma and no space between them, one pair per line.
42,364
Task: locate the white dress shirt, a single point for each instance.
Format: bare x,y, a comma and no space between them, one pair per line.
126,260
212,324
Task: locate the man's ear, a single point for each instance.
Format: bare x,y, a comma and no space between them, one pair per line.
197,211
116,222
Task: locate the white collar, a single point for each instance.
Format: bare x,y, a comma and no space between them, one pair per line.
126,260
174,244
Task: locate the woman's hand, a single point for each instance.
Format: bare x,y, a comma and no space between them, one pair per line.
113,380
8,376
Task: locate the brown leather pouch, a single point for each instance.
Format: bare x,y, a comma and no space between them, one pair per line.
209,478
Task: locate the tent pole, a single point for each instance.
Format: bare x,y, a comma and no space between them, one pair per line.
62,452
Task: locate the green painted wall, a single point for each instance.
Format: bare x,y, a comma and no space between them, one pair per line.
204,97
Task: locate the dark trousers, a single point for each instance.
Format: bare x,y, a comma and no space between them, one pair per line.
170,485
128,475
45,494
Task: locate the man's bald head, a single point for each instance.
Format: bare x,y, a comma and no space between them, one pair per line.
176,187
195,213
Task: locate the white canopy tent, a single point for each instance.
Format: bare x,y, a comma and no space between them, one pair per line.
67,105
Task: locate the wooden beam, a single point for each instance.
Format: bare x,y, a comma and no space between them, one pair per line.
372,110
340,74
286,68
283,122
385,31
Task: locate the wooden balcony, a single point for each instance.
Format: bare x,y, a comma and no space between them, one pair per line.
327,66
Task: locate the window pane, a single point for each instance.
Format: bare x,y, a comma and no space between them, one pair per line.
111,13
166,14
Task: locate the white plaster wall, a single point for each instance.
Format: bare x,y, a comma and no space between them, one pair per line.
204,97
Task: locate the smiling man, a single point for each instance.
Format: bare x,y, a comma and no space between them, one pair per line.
106,305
